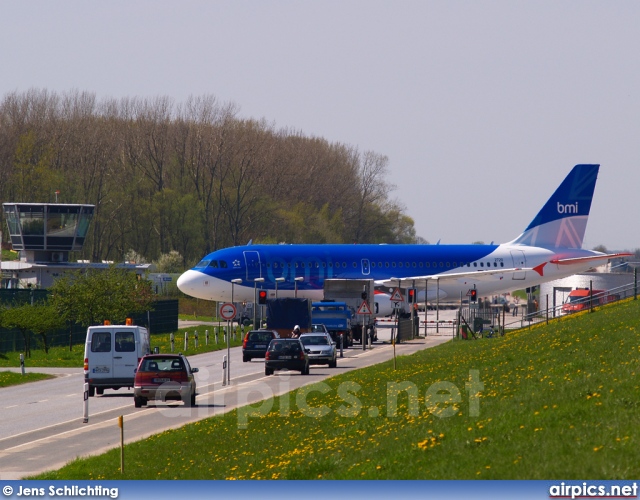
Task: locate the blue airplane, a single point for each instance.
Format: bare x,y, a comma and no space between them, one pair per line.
548,249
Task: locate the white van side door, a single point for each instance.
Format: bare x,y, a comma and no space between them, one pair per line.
125,354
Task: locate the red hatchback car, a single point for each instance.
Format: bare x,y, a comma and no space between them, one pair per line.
163,377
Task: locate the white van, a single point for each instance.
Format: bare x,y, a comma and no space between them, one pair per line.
111,356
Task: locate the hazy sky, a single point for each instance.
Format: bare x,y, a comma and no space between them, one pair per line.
482,107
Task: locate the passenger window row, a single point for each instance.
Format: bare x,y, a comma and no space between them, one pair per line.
414,265
311,265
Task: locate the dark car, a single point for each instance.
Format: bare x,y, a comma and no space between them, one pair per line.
164,377
286,353
256,342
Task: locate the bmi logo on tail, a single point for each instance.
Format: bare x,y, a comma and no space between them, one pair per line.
570,208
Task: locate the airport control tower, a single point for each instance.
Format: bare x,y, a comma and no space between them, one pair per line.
47,232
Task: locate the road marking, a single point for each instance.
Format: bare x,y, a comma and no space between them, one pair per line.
61,423
53,436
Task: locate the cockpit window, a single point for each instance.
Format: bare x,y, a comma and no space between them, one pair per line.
214,264
202,264
223,264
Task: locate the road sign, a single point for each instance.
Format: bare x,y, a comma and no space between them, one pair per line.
227,311
364,308
397,296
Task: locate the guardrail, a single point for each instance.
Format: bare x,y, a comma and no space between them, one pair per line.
440,328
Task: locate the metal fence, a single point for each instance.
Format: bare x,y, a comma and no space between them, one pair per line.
440,328
501,320
405,330
19,296
546,313
162,319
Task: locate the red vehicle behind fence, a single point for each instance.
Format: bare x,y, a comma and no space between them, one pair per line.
582,299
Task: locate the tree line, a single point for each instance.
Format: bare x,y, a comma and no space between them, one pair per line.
190,177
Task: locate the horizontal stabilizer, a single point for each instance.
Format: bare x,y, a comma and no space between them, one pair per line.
579,260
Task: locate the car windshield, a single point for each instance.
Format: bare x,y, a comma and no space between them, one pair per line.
284,345
314,340
162,365
260,336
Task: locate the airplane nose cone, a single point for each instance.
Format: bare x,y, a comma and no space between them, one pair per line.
189,282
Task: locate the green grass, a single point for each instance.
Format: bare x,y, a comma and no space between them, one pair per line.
559,402
9,255
195,317
521,294
61,357
11,378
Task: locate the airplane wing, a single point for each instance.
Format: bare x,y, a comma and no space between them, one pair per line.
578,260
421,281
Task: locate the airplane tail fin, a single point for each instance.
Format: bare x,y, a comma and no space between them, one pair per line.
563,220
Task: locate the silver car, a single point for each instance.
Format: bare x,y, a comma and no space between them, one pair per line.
320,348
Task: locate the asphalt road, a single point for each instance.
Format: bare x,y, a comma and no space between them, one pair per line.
42,422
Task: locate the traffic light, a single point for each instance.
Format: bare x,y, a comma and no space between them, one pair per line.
262,297
474,295
412,295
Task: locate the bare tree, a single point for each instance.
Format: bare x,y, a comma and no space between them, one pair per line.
202,141
371,194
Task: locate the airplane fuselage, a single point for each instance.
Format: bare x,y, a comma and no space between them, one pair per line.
312,264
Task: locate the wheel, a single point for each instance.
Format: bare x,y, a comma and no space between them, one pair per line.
305,370
268,371
193,399
100,391
92,391
246,358
137,402
333,364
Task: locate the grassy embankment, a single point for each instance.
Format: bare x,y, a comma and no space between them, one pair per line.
10,378
559,402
